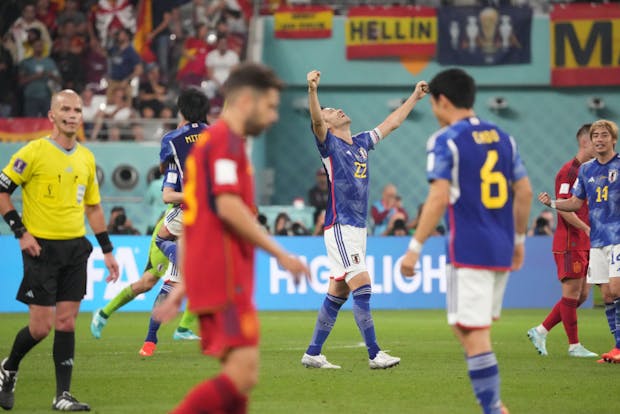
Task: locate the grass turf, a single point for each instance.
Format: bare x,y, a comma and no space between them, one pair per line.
111,376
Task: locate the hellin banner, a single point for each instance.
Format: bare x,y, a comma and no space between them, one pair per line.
392,31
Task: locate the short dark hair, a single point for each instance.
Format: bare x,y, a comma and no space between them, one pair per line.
584,129
253,75
456,85
194,105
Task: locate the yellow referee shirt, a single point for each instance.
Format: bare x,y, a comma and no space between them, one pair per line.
56,184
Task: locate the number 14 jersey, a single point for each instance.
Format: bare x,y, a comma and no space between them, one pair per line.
481,162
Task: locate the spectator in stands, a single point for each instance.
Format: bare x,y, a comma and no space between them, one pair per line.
317,195
152,93
35,74
192,68
262,220
383,209
46,15
282,224
398,228
7,82
119,223
160,36
114,114
219,63
96,64
192,14
543,224
69,65
19,30
91,104
109,16
72,13
124,64
235,43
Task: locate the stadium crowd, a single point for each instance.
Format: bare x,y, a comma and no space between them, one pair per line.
124,65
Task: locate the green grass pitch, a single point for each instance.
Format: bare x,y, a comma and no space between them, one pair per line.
111,376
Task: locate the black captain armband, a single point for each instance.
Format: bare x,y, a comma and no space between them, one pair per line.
6,184
15,223
104,241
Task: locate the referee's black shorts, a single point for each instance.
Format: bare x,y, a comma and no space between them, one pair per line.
58,274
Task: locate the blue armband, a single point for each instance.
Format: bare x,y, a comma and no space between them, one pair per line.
168,248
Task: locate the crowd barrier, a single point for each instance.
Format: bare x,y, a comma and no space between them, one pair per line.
534,286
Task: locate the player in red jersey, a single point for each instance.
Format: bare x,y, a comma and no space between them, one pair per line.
571,251
217,245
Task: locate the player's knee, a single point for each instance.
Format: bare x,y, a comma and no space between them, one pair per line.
40,330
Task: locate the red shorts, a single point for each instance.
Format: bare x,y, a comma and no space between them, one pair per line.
572,264
232,327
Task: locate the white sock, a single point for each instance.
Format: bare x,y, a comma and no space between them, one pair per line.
542,330
573,346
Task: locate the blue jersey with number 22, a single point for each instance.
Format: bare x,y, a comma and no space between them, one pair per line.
348,174
481,162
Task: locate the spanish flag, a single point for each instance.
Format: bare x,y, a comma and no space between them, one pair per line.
27,129
144,26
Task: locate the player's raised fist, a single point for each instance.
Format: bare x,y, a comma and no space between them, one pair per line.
421,89
544,198
313,77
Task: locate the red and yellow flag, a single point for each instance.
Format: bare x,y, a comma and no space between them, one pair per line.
585,44
302,22
144,26
390,31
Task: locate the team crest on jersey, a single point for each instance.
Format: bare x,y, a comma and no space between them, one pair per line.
576,267
363,153
612,175
19,165
355,258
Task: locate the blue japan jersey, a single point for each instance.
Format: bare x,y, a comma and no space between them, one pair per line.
481,162
600,185
348,173
175,147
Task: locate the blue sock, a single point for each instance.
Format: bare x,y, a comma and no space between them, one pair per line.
610,313
617,321
324,323
151,336
484,377
363,318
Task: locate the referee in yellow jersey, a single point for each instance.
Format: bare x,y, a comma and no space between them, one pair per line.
59,186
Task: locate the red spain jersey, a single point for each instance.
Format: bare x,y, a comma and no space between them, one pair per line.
567,237
218,264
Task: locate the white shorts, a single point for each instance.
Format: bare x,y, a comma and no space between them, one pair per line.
474,296
346,250
174,221
603,264
172,273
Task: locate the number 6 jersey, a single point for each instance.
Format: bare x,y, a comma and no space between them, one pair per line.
481,162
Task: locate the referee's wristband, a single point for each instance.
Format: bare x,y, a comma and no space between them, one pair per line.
519,238
15,223
415,246
104,241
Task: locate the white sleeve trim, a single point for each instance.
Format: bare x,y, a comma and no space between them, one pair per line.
376,136
225,172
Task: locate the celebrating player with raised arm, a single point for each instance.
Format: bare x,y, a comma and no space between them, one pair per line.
345,159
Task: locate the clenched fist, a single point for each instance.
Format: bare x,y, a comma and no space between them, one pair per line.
313,78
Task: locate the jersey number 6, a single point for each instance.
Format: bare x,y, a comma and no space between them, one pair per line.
492,179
